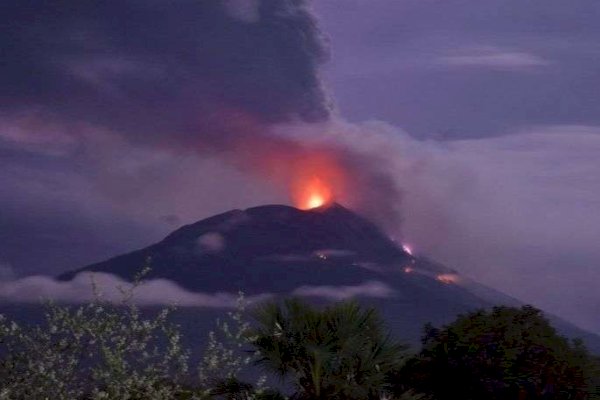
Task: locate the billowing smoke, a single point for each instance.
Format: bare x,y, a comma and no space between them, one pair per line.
166,72
214,77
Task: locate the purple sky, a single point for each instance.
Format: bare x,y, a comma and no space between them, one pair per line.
116,124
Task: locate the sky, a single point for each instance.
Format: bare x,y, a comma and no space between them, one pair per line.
470,128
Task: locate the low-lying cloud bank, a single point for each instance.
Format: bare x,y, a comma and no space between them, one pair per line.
368,289
85,286
111,288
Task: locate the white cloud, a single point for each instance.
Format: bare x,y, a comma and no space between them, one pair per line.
211,242
33,289
493,58
368,289
36,132
518,213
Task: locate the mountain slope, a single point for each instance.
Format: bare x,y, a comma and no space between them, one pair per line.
324,253
269,248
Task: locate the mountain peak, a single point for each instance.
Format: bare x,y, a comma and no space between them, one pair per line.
327,207
331,207
273,236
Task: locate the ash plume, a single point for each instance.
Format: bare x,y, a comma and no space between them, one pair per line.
165,72
216,78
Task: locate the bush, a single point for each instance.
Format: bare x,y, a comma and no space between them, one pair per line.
94,351
342,351
505,353
101,350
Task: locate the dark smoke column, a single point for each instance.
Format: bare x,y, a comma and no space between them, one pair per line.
165,72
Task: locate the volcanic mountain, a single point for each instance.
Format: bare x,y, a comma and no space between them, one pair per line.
326,253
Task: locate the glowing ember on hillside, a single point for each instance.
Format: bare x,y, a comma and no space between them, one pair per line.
407,249
447,278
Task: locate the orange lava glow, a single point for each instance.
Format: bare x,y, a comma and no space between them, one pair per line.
314,194
447,278
315,201
408,270
318,179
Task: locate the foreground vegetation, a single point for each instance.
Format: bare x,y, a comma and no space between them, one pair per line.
342,351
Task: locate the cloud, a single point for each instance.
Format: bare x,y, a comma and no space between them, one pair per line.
37,133
34,289
518,213
493,58
368,289
211,242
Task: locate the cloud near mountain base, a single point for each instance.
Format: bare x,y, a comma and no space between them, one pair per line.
110,288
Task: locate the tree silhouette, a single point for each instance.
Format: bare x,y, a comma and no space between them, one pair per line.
505,353
339,352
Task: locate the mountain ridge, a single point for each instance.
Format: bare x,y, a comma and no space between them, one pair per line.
284,251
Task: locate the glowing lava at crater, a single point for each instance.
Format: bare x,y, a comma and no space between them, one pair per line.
318,179
314,201
314,194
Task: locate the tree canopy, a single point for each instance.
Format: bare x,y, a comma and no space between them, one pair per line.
503,353
342,351
339,351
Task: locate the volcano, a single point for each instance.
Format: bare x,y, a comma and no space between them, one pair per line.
271,248
325,253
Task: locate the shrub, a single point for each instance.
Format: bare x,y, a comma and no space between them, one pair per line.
93,351
505,353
